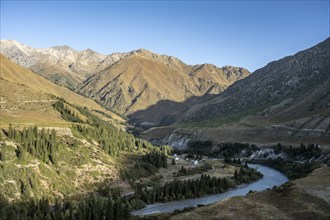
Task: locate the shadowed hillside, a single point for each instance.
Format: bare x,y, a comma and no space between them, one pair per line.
287,101
291,88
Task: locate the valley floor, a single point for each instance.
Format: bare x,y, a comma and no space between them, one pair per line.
217,168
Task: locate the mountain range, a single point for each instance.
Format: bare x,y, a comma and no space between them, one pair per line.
64,150
124,82
290,88
60,64
287,100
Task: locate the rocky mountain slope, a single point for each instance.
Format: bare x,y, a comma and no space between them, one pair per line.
126,82
290,88
286,101
60,64
144,79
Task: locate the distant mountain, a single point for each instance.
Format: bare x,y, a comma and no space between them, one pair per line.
143,79
127,82
60,64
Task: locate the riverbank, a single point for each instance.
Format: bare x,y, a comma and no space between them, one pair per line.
305,198
270,179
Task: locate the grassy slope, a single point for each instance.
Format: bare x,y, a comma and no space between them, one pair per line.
19,85
26,99
79,171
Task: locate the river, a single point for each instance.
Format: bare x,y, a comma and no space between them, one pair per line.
271,178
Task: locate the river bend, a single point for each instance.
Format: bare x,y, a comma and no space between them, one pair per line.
270,179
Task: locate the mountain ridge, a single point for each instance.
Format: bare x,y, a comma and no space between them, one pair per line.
138,81
60,64
286,101
282,78
125,82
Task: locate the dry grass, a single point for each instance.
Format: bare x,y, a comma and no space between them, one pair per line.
21,94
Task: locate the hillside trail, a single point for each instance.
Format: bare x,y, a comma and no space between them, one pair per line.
32,101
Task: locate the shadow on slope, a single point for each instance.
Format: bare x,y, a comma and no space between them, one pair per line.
165,112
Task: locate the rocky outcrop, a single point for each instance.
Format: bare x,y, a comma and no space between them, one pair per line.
178,138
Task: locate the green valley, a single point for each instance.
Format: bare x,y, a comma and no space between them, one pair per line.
140,135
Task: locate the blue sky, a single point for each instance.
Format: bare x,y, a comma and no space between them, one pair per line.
240,33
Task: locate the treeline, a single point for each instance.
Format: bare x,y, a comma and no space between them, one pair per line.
112,207
246,175
199,144
302,152
41,144
299,161
157,159
110,139
66,113
293,170
233,161
205,185
146,165
224,150
230,150
44,145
